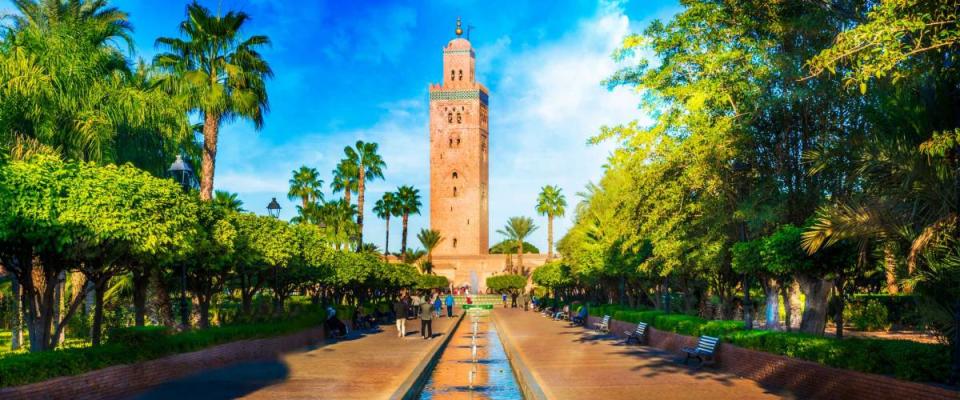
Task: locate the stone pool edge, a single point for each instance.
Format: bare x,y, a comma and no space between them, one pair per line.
528,384
412,386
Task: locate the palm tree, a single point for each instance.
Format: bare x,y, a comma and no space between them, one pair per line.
306,185
336,217
551,203
345,179
221,74
518,228
228,201
409,202
429,238
387,207
369,167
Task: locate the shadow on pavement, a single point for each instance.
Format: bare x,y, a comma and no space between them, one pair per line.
221,383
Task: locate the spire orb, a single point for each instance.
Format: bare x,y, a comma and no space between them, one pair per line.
459,30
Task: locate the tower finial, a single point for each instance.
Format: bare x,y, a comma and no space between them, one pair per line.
459,30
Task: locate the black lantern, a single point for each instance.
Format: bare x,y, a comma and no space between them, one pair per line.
181,172
274,208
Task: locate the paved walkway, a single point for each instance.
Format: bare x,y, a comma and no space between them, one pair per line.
360,367
574,363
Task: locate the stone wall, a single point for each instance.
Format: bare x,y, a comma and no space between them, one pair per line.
125,380
803,378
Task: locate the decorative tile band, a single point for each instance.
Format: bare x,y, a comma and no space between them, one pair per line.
460,95
470,52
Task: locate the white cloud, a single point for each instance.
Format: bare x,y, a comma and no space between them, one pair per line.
545,104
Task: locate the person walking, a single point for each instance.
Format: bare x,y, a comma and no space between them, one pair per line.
526,302
426,320
449,303
504,297
437,306
400,312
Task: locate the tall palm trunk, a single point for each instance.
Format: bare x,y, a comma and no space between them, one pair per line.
360,189
549,237
520,255
889,266
403,239
211,127
346,195
386,244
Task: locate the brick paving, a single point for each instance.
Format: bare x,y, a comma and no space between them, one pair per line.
361,367
576,363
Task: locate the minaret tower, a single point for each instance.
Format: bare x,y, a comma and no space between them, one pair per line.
459,143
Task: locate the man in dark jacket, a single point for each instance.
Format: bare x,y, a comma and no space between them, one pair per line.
400,309
426,320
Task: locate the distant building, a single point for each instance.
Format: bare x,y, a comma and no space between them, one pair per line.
459,172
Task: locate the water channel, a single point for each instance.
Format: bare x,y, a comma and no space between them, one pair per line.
474,365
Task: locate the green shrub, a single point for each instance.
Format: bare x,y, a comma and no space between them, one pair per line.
867,316
902,359
136,336
21,369
902,309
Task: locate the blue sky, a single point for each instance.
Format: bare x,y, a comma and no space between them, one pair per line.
352,70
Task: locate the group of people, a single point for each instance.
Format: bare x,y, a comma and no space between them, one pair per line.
523,299
427,306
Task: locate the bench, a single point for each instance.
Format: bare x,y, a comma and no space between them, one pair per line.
705,350
581,317
640,334
604,325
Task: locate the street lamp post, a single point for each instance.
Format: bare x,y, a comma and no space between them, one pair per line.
183,174
274,208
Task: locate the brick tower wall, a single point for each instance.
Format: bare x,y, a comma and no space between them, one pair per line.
459,145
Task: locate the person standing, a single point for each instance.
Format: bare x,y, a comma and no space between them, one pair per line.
449,303
504,297
426,320
400,311
526,302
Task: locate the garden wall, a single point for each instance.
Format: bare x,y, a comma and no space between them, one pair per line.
125,380
804,378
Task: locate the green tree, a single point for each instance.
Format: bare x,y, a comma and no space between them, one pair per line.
511,284
369,167
517,229
345,178
430,239
228,201
552,203
219,73
409,202
388,206
69,90
508,246
307,186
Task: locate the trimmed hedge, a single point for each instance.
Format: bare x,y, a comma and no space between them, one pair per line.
903,359
133,345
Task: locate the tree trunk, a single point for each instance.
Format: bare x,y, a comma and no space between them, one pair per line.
346,193
360,189
16,322
890,268
203,305
211,127
772,289
386,243
403,237
549,237
163,306
520,255
97,333
817,292
140,281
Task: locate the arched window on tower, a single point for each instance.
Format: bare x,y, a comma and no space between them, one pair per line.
461,75
455,176
450,118
454,191
458,142
454,242
453,75
451,142
459,119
